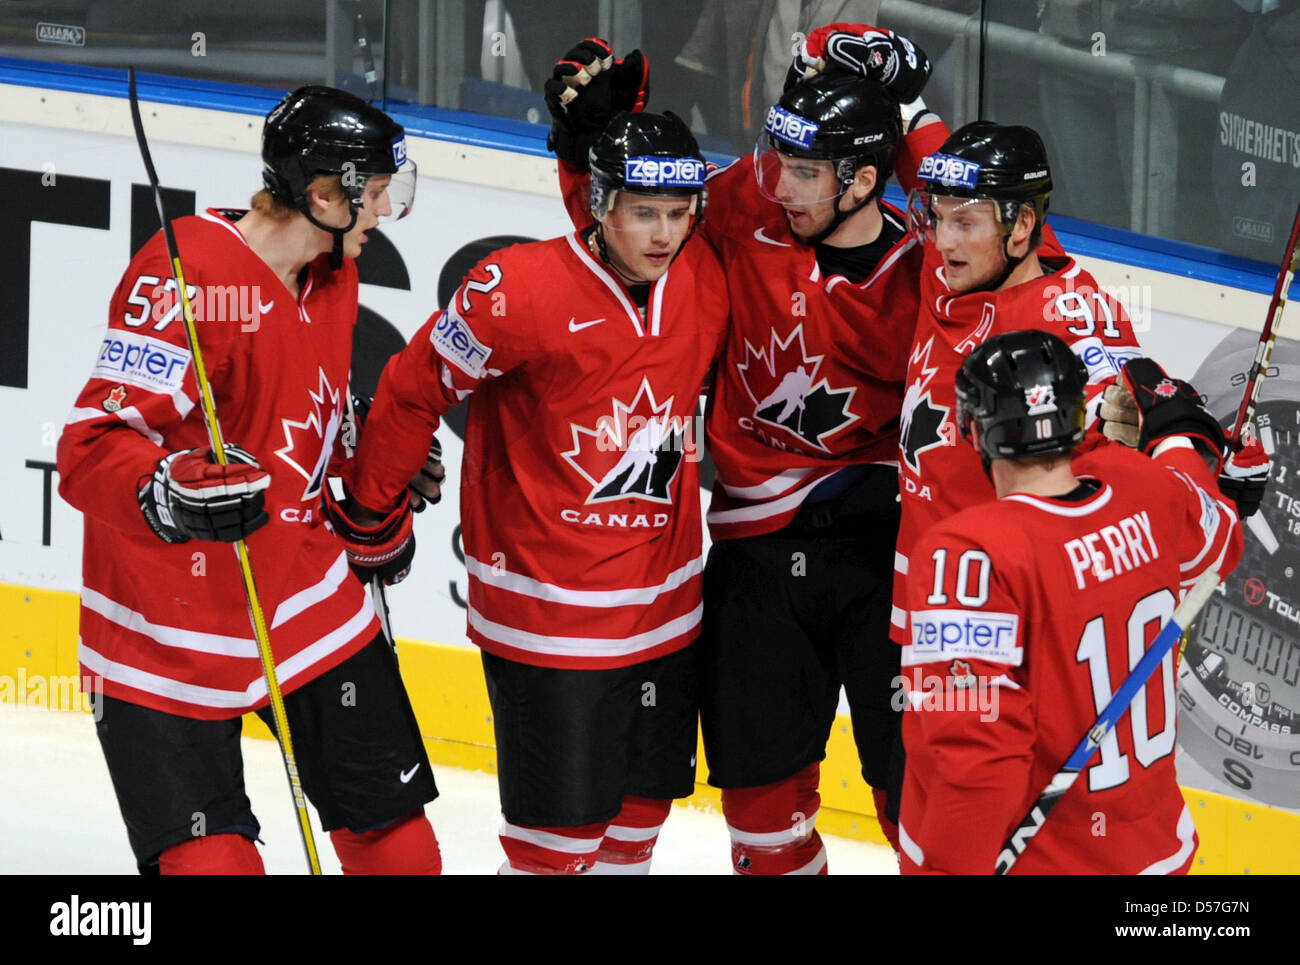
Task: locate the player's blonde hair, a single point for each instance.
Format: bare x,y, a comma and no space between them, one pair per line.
328,186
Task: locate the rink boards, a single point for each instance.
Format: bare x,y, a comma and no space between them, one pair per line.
475,183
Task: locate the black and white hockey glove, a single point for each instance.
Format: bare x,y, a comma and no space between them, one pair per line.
190,496
384,548
1245,477
1171,407
426,487
586,89
890,59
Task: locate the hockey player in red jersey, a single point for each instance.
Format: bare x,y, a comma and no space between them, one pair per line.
580,504
803,428
981,213
1028,611
164,622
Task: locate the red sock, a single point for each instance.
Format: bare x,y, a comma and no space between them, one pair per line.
630,838
405,847
212,854
773,828
550,851
886,825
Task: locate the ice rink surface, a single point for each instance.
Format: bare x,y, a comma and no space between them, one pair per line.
58,814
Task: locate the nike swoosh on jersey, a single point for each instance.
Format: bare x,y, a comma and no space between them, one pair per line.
267,307
758,234
406,776
581,326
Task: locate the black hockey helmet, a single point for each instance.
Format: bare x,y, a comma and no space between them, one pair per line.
320,130
1025,391
836,116
1004,163
645,153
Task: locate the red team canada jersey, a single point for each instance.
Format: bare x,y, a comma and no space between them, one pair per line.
812,377
580,503
166,625
1026,614
939,474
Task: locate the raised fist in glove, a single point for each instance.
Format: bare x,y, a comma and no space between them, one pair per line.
190,496
1245,476
1171,407
377,545
587,88
892,60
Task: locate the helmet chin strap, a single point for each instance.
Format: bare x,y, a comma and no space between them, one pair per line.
336,253
838,219
599,235
1012,263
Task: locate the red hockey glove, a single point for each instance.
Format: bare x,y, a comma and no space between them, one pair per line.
1171,407
586,89
384,548
189,496
892,60
1245,477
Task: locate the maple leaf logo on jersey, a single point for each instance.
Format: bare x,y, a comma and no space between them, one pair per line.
635,453
922,422
309,443
781,379
961,675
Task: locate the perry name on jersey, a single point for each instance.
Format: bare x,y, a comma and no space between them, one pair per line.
166,625
580,486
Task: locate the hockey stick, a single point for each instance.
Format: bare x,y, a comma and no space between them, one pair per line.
218,450
1267,338
1056,788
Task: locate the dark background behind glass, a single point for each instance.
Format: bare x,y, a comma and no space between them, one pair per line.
1143,104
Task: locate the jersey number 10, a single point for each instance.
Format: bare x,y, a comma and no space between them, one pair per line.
1112,769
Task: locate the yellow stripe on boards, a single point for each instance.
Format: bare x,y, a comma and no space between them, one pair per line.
38,635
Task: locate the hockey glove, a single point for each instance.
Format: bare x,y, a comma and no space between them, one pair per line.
189,496
1171,407
586,89
1245,477
384,548
426,487
890,59
1119,415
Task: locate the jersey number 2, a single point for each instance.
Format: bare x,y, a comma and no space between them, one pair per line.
1112,769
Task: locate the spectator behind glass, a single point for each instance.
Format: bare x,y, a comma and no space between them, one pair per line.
736,59
1090,118
1256,146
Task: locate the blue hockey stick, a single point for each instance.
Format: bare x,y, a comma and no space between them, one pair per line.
1169,635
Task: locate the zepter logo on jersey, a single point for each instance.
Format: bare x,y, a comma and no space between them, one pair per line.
309,442
781,379
633,453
